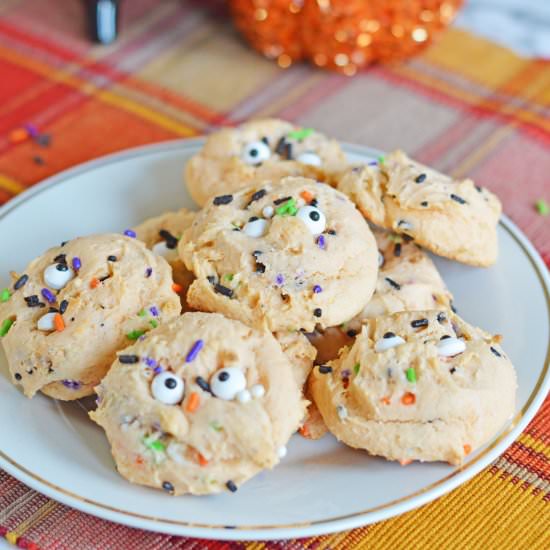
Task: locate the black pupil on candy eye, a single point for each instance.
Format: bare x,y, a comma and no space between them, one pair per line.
314,216
223,376
170,383
61,267
254,152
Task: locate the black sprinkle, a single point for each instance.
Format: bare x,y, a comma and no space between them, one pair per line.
231,486
351,333
280,147
225,291
265,140
288,151
317,312
441,317
280,201
417,323
64,243
325,369
424,203
252,218
101,279
420,178
171,241
478,188
203,384
17,376
495,351
111,258
452,306
458,199
53,310
391,282
50,370
260,268
128,359
63,306
331,232
60,259
257,196
229,527
444,337
32,301
314,202
407,238
236,229
20,282
389,335
397,249
452,370
211,279
223,199
167,486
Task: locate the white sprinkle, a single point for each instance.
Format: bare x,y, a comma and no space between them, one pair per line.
387,343
243,396
448,347
256,228
342,412
281,451
257,391
309,158
161,249
46,322
268,211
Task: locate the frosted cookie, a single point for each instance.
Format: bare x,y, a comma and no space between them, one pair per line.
286,256
266,149
417,386
407,281
72,308
161,234
199,406
452,218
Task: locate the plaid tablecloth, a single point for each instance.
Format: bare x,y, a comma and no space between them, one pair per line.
466,106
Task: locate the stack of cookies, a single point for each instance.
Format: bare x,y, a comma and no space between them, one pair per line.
300,298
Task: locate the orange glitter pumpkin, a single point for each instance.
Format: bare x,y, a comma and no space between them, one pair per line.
344,35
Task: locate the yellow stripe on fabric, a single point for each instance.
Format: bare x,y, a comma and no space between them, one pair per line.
11,185
255,545
65,77
534,444
39,515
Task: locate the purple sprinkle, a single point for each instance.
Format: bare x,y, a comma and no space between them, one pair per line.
158,370
346,373
279,279
141,338
77,264
194,351
154,311
317,289
72,384
130,233
148,272
31,129
150,362
48,295
321,243
372,163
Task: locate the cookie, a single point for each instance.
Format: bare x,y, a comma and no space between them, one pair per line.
453,218
417,386
266,149
300,353
407,281
72,308
286,255
199,406
161,234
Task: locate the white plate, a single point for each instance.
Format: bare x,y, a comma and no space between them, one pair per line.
321,486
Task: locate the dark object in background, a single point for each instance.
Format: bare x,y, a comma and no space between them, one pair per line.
103,20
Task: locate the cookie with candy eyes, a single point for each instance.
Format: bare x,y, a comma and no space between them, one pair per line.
267,149
287,255
161,234
199,406
419,385
71,309
453,218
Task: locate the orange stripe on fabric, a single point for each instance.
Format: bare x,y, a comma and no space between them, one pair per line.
535,444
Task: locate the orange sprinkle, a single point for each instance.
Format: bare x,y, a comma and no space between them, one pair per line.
177,288
19,135
202,461
467,449
408,398
385,400
139,460
94,283
405,461
307,196
58,322
304,431
193,403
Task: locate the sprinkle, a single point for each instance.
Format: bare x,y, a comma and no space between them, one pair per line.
317,289
216,426
167,486
228,277
385,400
95,282
356,368
177,288
279,280
141,313
128,359
467,449
154,444
331,232
388,341
287,209
135,334
48,295
325,369
392,283
153,323
282,200
408,398
389,335
171,241
194,351
268,211
77,264
342,412
32,301
5,295
300,134
411,375
317,312
63,306
158,369
542,207
5,327
150,362
154,311
420,178
231,486
351,333
202,461
256,196
17,376
58,323
417,323
397,249
458,199
304,431
72,384
452,306
130,233
203,384
424,203
441,317
495,351
449,347
280,147
223,290
111,258
222,199
18,135
148,272
260,268
307,196
193,402
321,242
60,259
405,461
20,282
381,159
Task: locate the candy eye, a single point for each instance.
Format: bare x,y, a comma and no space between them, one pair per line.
309,158
227,383
168,388
313,218
46,322
162,249
56,276
255,153
256,228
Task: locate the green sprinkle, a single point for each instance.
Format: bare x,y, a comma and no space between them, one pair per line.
5,328
356,368
135,334
287,209
228,277
215,425
5,295
300,134
154,323
411,375
154,444
141,313
381,159
542,207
